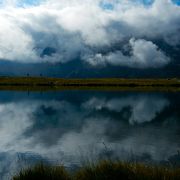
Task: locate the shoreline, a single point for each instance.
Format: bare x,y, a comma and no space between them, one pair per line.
102,84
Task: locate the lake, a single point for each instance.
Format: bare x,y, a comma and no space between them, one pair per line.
76,127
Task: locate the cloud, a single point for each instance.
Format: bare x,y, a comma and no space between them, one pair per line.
79,29
28,130
144,54
143,108
14,42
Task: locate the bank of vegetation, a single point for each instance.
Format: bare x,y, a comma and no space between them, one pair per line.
45,83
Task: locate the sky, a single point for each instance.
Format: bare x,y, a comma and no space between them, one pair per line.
100,33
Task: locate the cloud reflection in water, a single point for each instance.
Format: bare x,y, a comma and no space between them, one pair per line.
67,131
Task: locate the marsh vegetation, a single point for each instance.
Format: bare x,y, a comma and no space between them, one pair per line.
44,83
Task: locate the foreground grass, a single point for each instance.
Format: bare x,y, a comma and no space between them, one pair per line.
44,83
42,172
104,170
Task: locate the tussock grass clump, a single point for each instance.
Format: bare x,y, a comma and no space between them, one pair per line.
43,172
108,170
104,170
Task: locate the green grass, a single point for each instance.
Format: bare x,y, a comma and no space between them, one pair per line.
44,83
104,170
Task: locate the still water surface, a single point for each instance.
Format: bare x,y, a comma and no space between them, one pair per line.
70,127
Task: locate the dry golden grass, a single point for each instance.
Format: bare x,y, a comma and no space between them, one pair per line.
104,170
43,83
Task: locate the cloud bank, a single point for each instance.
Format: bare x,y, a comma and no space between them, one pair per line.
144,54
143,108
99,32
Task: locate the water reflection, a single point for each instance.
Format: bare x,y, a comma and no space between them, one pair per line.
68,127
141,108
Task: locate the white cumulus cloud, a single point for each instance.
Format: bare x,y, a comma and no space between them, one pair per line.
85,29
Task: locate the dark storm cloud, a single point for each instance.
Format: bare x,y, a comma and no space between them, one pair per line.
85,29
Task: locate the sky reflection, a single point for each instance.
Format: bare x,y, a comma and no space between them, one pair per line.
76,126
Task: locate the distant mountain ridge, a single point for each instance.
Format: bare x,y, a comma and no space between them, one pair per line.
80,69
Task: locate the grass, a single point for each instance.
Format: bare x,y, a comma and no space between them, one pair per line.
45,83
42,172
104,170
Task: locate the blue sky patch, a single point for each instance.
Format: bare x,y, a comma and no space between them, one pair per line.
146,2
29,2
106,5
21,3
176,2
